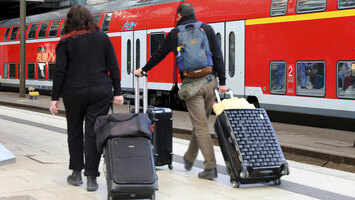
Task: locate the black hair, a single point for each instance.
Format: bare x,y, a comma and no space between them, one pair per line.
185,9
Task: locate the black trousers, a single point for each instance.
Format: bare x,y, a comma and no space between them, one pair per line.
85,104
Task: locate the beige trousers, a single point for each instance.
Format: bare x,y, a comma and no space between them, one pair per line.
200,107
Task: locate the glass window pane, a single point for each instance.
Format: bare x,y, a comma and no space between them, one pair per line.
4,75
19,35
18,70
310,76
31,71
42,31
50,70
138,54
231,69
346,79
32,32
129,61
344,4
306,6
156,40
278,7
219,38
277,77
106,23
12,70
54,29
14,33
97,18
6,34
41,71
62,29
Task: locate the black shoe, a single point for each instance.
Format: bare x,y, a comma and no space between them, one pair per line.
75,178
188,165
208,174
92,183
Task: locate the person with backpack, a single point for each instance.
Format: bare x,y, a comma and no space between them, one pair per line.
200,60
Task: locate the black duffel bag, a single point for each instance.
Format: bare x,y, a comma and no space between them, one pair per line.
122,125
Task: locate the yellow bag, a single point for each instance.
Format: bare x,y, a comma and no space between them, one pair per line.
232,103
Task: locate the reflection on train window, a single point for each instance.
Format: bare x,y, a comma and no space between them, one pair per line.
231,69
345,4
4,70
129,61
41,71
346,79
18,70
278,7
106,23
62,29
32,32
219,38
31,71
50,70
277,77
19,35
14,33
97,18
42,30
53,30
12,70
156,40
138,53
310,76
307,6
6,33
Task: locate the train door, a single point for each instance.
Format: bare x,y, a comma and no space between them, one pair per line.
219,29
133,56
235,50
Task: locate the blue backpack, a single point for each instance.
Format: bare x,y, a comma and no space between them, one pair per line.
193,48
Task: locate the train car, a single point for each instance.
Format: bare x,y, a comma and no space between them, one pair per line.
283,55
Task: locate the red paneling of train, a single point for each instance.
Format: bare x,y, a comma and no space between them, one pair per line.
284,55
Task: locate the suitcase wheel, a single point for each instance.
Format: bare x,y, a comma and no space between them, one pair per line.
277,182
235,184
170,166
153,196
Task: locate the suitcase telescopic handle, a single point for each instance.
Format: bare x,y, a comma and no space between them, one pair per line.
145,93
217,94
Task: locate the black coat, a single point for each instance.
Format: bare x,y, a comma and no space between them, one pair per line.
170,44
84,61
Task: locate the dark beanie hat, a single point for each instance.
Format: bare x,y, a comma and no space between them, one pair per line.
185,9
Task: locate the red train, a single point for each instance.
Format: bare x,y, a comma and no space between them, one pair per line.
283,55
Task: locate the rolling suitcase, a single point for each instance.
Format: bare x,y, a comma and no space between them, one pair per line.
249,146
162,138
128,160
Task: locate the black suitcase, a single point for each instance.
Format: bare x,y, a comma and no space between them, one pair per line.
162,137
249,146
130,170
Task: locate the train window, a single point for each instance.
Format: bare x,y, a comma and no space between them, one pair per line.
18,70
346,79
42,30
50,70
19,35
345,4
32,32
310,78
106,23
41,71
138,53
62,29
4,75
97,18
12,70
156,40
307,6
219,38
14,33
129,61
278,77
231,69
7,33
31,71
278,7
53,30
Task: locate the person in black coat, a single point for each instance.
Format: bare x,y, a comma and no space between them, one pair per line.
86,70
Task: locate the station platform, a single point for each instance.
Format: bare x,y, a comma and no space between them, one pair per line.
39,142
